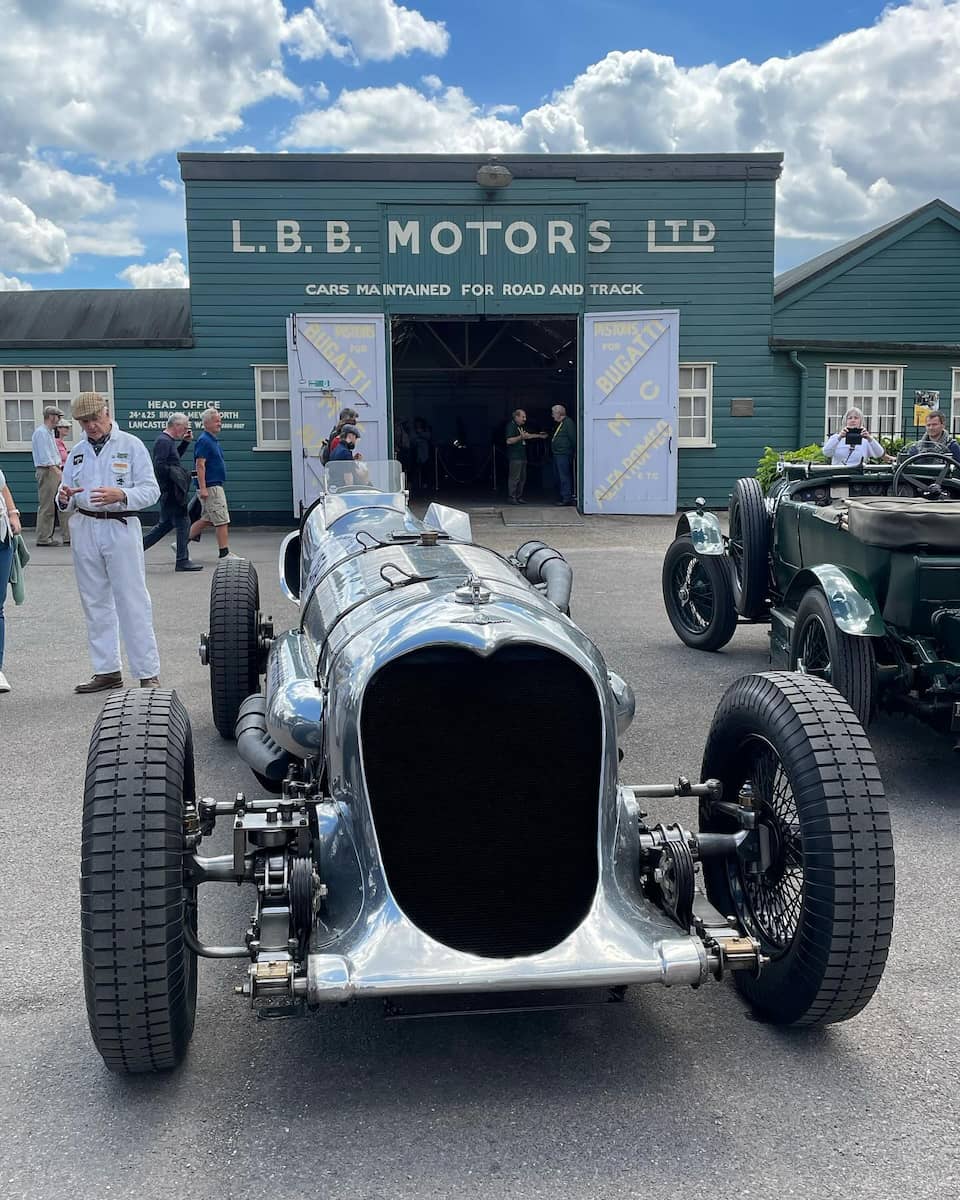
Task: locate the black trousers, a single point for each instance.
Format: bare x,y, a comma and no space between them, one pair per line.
172,516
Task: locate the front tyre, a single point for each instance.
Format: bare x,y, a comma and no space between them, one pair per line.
139,974
822,650
233,645
820,900
697,596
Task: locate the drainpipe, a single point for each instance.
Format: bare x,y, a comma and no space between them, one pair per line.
802,413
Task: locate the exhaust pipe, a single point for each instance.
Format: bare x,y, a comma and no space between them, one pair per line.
255,745
541,564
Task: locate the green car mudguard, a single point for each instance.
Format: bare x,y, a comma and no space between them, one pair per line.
852,599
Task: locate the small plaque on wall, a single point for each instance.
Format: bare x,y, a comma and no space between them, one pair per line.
741,406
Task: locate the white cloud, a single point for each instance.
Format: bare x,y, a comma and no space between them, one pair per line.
867,121
10,283
29,242
171,273
400,119
433,83
173,186
320,92
61,194
124,80
364,30
109,239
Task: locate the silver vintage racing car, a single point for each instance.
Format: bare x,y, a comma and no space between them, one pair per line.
437,810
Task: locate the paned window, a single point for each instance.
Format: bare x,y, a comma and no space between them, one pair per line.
27,391
696,404
273,408
874,390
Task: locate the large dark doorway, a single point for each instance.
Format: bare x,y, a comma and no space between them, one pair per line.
455,386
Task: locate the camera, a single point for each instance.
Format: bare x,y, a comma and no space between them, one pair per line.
853,437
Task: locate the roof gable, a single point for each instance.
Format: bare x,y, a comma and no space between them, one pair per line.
798,282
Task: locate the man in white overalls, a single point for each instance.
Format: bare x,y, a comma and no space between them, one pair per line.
108,478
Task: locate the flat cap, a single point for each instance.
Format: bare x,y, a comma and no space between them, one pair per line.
87,405
51,411
345,429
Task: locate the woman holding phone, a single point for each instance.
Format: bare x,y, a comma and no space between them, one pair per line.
853,444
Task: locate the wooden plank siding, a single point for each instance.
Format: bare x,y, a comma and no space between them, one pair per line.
240,302
903,290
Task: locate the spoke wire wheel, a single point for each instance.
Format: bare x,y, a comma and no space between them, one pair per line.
770,901
748,546
821,650
697,596
820,902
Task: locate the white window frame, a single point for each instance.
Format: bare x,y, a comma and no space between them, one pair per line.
262,442
954,398
866,401
42,399
689,394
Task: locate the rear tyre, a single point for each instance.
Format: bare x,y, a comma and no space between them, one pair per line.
821,903
233,649
139,975
697,596
822,650
749,547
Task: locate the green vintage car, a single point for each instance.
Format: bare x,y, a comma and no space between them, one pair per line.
856,569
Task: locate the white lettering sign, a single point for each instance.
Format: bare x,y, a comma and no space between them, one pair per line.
671,235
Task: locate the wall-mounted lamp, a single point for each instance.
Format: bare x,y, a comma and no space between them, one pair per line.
493,176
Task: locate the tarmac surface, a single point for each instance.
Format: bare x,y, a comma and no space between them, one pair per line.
672,1093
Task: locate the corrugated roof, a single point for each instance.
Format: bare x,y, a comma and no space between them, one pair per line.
797,275
111,318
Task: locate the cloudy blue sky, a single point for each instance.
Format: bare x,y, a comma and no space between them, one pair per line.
97,96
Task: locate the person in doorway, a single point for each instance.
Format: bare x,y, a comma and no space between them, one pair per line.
346,448
422,452
516,438
174,480
348,416
936,438
853,444
211,476
63,449
108,479
49,472
563,444
9,529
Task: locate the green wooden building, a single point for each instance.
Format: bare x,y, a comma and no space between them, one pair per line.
874,324
438,294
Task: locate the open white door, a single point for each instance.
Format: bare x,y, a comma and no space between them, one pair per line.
630,379
334,362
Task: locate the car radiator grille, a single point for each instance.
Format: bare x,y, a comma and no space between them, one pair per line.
484,777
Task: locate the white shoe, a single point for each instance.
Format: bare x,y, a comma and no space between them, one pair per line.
4,685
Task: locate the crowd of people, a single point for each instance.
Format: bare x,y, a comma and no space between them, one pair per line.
107,478
94,492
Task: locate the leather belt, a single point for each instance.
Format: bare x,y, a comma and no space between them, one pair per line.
107,516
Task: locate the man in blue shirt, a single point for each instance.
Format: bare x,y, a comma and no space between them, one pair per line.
211,476
346,448
46,462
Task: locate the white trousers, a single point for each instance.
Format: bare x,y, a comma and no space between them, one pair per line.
108,561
